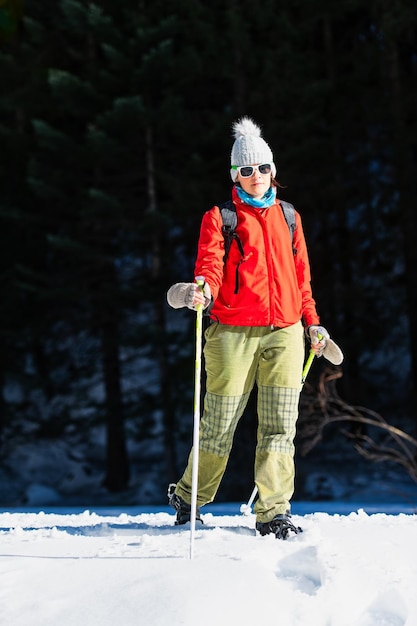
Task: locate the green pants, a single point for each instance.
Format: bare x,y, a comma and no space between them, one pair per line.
236,358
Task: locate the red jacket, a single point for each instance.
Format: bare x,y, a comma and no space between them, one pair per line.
274,285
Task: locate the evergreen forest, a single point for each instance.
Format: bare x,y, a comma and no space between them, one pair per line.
115,138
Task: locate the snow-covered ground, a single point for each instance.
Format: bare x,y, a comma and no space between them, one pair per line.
353,567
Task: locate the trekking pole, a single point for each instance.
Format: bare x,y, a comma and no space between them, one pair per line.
247,508
307,367
196,428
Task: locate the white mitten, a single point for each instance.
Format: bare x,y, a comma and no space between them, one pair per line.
182,294
318,334
330,350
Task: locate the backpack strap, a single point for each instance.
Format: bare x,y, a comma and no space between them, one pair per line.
229,219
289,214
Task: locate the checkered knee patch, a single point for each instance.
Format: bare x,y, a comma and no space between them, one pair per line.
277,416
219,421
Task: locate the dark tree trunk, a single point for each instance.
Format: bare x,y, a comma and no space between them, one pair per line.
117,463
159,316
403,106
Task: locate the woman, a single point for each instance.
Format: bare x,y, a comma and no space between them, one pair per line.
260,302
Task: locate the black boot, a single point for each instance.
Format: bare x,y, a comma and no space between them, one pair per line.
182,508
280,526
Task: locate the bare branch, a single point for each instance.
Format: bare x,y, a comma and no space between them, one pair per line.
323,406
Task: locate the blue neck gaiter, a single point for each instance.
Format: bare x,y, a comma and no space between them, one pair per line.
267,200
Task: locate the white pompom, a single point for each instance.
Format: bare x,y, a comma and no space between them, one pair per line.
246,126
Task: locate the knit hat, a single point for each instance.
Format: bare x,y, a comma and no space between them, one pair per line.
249,147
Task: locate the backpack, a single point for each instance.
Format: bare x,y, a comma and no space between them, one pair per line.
229,219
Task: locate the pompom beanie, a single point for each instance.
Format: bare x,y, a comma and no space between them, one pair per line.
249,148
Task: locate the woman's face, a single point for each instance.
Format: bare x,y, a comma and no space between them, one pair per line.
257,184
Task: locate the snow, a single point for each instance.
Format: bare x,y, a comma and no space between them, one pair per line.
69,567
